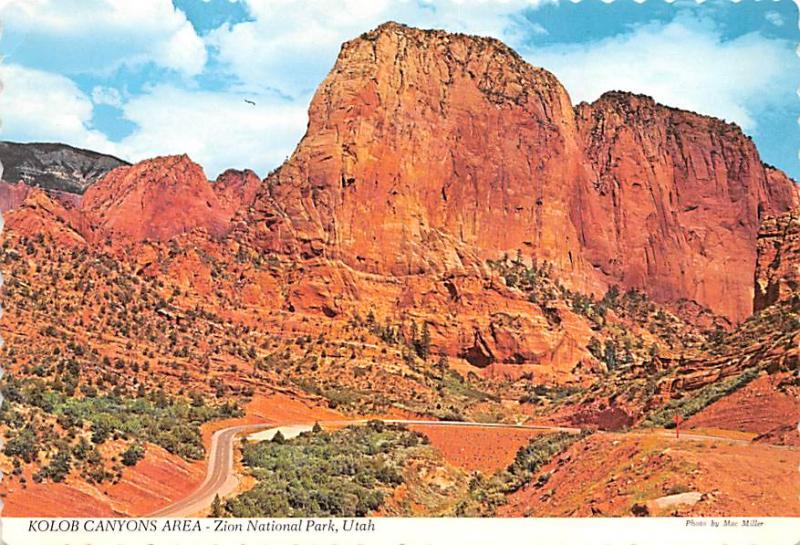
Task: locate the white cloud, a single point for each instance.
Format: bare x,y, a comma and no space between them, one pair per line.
683,64
291,44
774,17
101,35
40,106
106,95
217,130
184,51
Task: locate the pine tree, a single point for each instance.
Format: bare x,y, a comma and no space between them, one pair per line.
216,507
610,355
425,342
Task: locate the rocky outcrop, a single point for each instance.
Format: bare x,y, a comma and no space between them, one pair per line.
446,150
236,189
42,215
424,151
156,199
13,195
427,153
777,274
54,166
674,201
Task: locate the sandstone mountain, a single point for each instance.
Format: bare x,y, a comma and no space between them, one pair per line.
429,153
444,147
452,239
155,199
447,150
236,189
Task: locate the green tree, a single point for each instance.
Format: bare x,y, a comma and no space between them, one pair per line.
216,507
425,342
23,445
132,455
612,295
610,355
595,348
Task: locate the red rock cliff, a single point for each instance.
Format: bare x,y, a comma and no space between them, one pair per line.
674,201
155,199
778,266
423,146
429,151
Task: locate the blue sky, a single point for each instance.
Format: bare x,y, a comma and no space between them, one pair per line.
154,77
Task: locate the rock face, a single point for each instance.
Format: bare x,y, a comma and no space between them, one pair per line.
155,200
41,214
675,201
54,166
427,153
447,150
778,267
236,189
13,195
425,149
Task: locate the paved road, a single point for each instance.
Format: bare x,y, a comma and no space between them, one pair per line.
221,478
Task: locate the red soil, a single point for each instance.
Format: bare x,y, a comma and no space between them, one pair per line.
158,479
759,408
606,475
51,500
475,449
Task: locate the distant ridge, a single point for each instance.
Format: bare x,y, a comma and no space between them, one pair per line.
54,166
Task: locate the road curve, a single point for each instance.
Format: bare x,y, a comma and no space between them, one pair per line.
221,479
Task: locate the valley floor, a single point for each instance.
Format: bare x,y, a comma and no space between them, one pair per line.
707,472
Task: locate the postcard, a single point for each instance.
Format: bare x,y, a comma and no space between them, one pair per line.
413,272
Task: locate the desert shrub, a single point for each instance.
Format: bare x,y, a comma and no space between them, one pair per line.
59,466
23,445
343,474
539,451
133,454
486,494
698,400
170,422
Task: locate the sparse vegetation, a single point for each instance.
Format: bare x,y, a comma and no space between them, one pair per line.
486,494
83,422
693,402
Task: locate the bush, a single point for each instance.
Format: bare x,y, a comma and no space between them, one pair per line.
58,468
23,445
342,474
132,455
699,400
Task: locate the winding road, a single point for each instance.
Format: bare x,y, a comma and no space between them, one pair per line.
221,477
